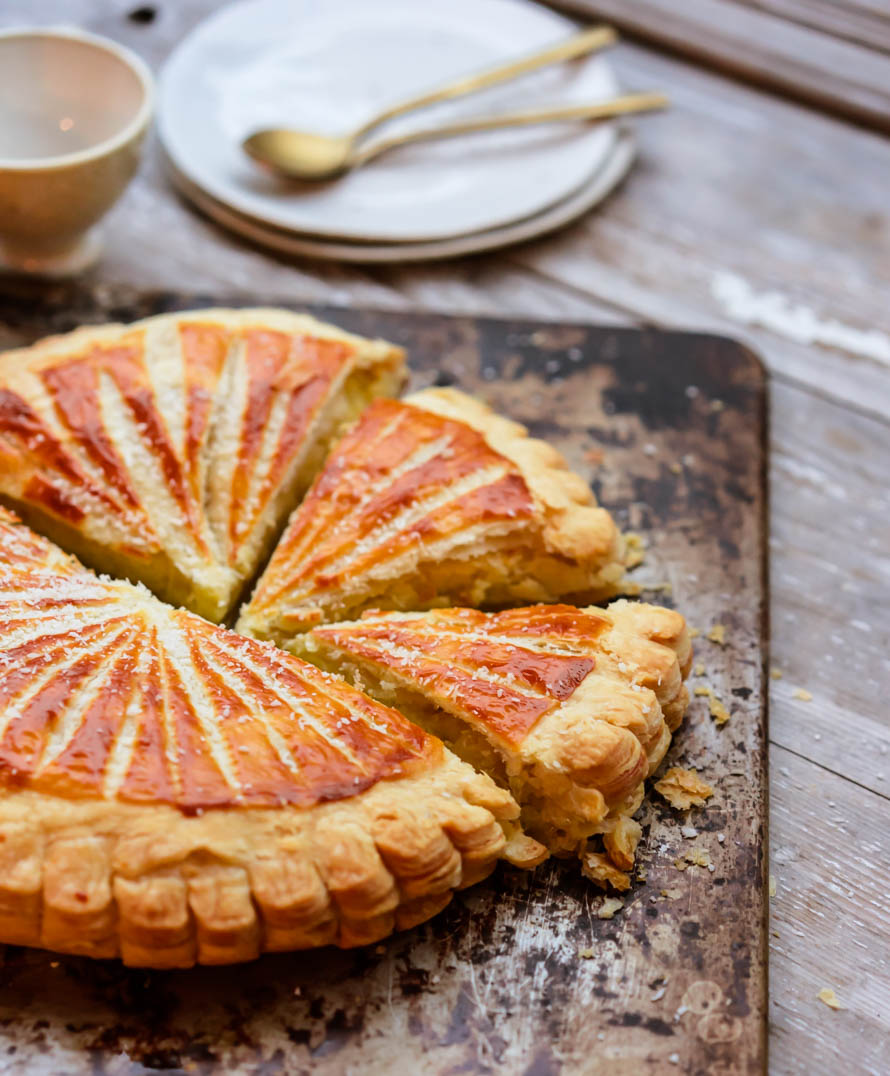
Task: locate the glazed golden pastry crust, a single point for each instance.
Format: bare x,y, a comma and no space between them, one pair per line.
571,709
171,792
172,450
435,501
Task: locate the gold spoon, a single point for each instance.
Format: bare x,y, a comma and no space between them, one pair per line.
305,155
289,153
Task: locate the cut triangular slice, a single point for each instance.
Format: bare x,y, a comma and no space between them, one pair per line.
172,792
172,450
435,501
571,709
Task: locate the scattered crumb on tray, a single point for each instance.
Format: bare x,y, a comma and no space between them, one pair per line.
694,633
717,634
675,468
695,857
602,872
609,907
683,788
594,456
828,997
699,669
715,707
718,711
635,550
802,694
717,405
586,954
772,885
776,673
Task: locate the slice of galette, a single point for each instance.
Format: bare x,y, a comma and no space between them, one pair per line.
171,792
570,709
431,501
171,451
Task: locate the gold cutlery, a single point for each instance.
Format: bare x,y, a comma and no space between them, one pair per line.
286,151
306,155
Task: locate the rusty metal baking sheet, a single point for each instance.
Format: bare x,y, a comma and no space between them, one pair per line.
519,975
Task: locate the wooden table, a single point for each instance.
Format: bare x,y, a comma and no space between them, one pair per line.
738,194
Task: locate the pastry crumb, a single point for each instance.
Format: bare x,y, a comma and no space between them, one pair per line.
585,954
717,634
715,707
695,857
594,456
683,788
772,885
699,669
776,673
718,711
609,907
828,997
694,633
802,694
717,405
602,872
689,832
675,468
698,857
635,550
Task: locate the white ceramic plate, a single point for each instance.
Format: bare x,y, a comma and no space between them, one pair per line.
607,176
327,66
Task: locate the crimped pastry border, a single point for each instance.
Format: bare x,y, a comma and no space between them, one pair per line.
160,889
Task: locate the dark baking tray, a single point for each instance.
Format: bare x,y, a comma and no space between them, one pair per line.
519,974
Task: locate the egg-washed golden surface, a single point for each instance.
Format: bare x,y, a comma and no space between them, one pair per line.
172,450
571,709
433,501
171,792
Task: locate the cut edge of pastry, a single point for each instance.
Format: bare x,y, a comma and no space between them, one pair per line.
564,765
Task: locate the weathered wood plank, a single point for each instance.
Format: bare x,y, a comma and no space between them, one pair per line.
867,22
811,65
830,843
830,583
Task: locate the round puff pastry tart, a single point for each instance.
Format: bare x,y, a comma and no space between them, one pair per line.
172,793
571,709
171,451
434,501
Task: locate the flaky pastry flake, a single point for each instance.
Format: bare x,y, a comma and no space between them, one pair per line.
683,788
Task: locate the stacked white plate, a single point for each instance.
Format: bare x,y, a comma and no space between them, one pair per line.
327,67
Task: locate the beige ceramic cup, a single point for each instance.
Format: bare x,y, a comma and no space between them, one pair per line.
74,109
